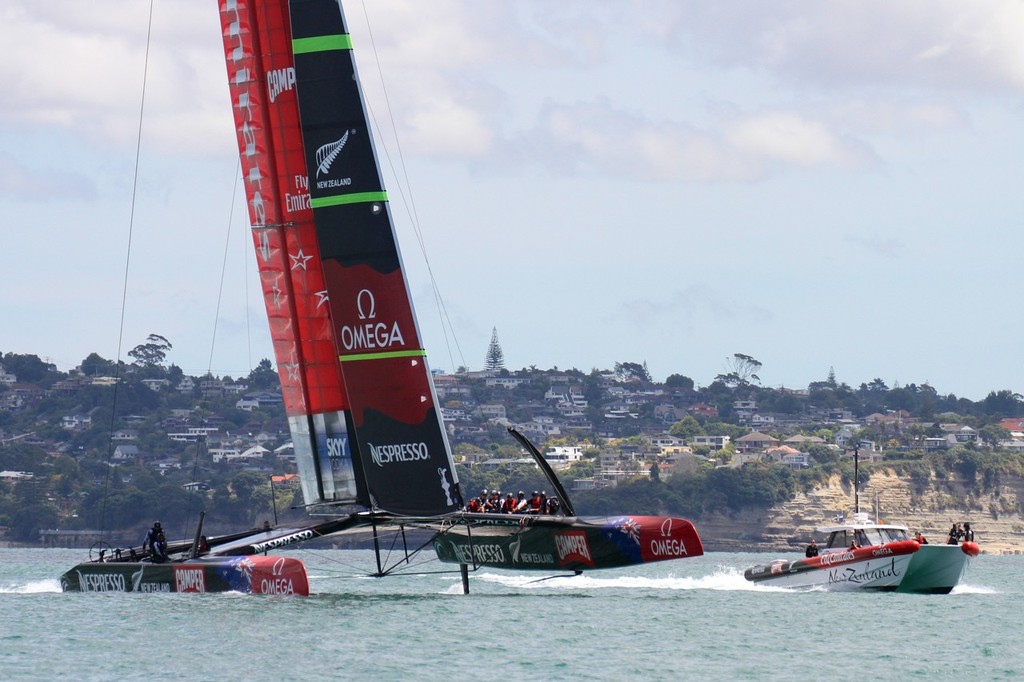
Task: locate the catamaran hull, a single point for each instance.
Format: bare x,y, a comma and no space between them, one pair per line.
937,569
880,568
248,574
553,543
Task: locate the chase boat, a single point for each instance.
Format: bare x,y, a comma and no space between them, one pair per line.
861,555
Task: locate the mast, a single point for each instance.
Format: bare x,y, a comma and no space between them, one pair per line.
399,436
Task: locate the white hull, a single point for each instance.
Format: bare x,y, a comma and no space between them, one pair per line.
843,573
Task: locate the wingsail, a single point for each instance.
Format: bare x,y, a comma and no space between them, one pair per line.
261,76
400,441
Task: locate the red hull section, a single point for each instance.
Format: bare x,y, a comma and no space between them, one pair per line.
249,574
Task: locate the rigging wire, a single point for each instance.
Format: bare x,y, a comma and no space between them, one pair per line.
127,263
213,339
409,202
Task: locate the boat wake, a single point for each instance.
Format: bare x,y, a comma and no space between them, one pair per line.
973,589
33,587
722,579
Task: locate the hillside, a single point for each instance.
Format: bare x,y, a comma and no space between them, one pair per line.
787,527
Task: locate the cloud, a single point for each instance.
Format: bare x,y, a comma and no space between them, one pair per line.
23,184
943,44
599,139
693,306
886,247
790,138
84,66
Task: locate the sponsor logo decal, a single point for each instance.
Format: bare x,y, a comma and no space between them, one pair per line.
139,586
101,582
479,554
326,155
667,540
280,80
337,450
369,335
277,583
866,574
301,536
300,201
573,547
529,557
836,558
188,579
399,452
442,472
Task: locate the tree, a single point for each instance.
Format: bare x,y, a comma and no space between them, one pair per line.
679,381
495,359
1002,403
94,366
633,370
151,353
263,376
742,371
28,368
686,428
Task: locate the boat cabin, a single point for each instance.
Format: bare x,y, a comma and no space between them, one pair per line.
862,532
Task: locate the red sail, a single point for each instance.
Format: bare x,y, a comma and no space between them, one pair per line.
261,76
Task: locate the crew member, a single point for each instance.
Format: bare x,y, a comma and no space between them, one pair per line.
812,549
157,543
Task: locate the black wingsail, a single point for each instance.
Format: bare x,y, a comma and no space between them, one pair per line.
399,437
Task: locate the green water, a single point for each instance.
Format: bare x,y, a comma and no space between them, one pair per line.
690,619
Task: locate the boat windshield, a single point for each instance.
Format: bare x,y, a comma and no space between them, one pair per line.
894,534
864,537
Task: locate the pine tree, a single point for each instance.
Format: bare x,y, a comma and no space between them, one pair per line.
495,358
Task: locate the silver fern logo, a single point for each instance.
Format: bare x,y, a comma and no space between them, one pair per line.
327,153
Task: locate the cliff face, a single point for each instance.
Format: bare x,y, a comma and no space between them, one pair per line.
994,515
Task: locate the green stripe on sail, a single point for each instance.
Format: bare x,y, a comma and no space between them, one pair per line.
321,43
418,353
343,199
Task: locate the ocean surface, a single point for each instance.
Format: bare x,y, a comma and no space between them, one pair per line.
690,619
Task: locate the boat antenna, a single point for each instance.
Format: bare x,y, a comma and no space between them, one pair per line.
856,478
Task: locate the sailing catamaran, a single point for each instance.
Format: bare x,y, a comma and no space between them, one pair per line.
370,444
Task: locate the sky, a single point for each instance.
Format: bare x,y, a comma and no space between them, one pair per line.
818,185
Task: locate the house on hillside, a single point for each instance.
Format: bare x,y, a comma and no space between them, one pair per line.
755,441
125,453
